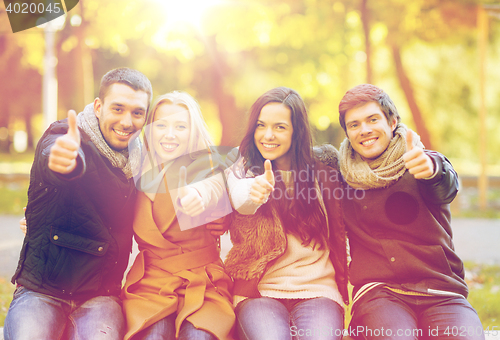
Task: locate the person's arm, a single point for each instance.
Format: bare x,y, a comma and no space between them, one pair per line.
239,194
248,194
437,180
62,159
442,187
200,196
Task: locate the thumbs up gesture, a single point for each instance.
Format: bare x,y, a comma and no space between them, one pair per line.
190,201
63,154
263,185
416,161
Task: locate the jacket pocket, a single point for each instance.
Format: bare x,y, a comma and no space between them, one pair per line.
76,263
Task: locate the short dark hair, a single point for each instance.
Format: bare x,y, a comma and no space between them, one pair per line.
363,94
130,77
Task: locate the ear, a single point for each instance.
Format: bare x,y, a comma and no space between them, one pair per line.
97,107
394,124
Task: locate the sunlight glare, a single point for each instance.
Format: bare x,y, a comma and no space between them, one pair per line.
186,11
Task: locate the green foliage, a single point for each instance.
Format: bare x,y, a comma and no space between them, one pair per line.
315,47
12,201
6,291
484,292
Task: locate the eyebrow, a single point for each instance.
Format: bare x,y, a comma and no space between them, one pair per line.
370,116
175,122
278,123
139,108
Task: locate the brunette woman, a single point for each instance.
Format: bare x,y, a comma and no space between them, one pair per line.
289,257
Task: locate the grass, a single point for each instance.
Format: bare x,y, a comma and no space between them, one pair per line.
6,291
484,292
12,201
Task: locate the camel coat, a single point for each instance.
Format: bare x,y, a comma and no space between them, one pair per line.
175,272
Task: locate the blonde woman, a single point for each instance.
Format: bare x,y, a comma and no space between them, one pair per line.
177,287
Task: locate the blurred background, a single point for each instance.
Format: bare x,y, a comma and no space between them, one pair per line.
437,59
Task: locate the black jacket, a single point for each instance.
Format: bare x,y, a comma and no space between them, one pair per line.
79,233
401,235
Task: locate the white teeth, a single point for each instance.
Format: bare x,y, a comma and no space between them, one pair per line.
369,142
169,146
270,146
120,133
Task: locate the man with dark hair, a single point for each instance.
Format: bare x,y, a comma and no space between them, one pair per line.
79,216
408,281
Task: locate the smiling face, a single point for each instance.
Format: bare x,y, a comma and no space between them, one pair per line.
121,113
368,130
170,131
273,134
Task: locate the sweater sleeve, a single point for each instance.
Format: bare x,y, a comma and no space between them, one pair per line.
443,187
210,190
239,193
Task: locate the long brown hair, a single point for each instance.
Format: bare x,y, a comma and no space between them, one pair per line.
299,215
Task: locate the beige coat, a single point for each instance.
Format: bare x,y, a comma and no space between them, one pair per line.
175,272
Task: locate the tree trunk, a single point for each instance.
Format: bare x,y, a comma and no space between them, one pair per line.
365,19
29,130
410,97
229,114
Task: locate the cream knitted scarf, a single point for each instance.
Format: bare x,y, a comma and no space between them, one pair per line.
381,172
127,160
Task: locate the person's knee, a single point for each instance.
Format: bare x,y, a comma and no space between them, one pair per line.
190,332
34,315
257,304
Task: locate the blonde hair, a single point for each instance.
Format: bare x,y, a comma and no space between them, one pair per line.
199,137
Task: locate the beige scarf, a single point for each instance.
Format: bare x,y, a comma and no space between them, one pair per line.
127,160
381,172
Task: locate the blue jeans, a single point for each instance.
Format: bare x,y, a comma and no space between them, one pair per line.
281,319
39,316
383,314
165,330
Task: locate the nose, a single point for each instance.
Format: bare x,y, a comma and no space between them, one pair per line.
365,129
126,120
269,134
170,132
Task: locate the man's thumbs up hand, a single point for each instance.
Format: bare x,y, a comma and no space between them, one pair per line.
263,185
190,200
409,140
63,154
416,161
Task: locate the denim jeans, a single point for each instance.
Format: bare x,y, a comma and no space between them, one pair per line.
383,314
165,330
280,319
39,316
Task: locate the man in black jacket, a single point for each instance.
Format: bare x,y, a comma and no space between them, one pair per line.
408,281
79,215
